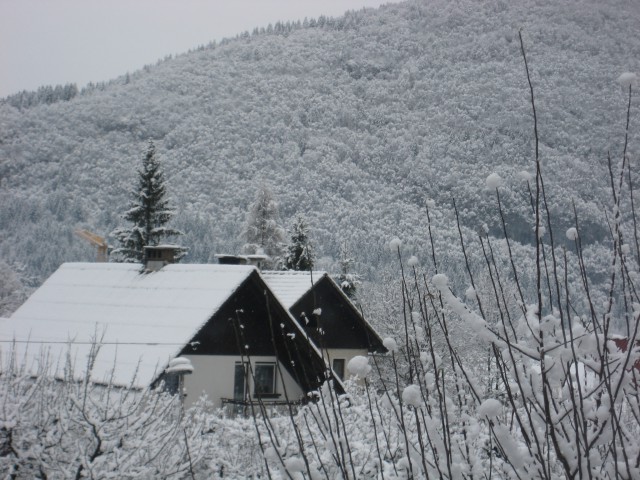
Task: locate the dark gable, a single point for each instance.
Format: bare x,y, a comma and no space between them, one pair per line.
342,324
252,319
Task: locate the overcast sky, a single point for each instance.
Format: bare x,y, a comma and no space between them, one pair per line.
50,42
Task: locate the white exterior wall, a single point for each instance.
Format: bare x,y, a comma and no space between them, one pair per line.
347,354
213,375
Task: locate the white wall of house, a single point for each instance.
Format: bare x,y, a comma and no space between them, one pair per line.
346,354
214,375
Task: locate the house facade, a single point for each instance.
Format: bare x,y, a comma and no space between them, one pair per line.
253,351
237,335
121,324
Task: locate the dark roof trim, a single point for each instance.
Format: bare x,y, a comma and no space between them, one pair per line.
304,347
372,335
160,373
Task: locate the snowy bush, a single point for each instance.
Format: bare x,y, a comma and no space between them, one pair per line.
62,428
66,429
556,395
543,385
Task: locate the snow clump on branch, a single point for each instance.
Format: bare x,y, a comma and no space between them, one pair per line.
390,344
494,181
294,465
359,366
475,321
541,230
490,408
411,396
470,293
572,233
525,176
395,244
440,280
628,79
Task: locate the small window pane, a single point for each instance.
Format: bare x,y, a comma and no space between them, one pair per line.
238,382
265,376
338,367
171,383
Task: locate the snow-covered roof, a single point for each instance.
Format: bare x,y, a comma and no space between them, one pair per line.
142,319
290,286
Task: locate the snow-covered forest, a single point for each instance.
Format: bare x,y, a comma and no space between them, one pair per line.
509,294
353,122
500,383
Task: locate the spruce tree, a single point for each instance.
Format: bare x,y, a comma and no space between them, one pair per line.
348,281
299,255
262,233
149,213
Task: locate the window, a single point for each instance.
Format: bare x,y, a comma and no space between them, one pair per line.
338,367
239,382
264,383
171,383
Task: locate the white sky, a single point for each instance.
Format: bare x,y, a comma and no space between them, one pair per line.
50,42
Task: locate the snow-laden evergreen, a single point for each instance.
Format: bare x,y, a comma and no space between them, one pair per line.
355,121
262,232
299,253
149,213
346,278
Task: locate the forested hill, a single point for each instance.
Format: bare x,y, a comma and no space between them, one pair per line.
354,121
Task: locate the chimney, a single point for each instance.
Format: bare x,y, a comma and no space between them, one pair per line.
255,260
224,259
157,256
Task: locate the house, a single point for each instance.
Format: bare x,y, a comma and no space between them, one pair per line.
631,360
330,319
141,326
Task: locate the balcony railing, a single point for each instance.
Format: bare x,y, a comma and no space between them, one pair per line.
267,402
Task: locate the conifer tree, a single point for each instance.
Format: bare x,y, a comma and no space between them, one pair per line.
262,233
149,213
299,255
347,280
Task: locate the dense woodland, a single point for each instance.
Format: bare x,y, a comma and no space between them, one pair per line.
355,122
503,307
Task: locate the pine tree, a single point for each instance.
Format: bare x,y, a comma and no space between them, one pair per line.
299,255
347,281
262,233
149,213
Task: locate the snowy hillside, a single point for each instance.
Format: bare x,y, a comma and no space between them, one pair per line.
354,121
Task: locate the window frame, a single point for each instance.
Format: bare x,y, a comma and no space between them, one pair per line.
257,379
338,371
240,374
